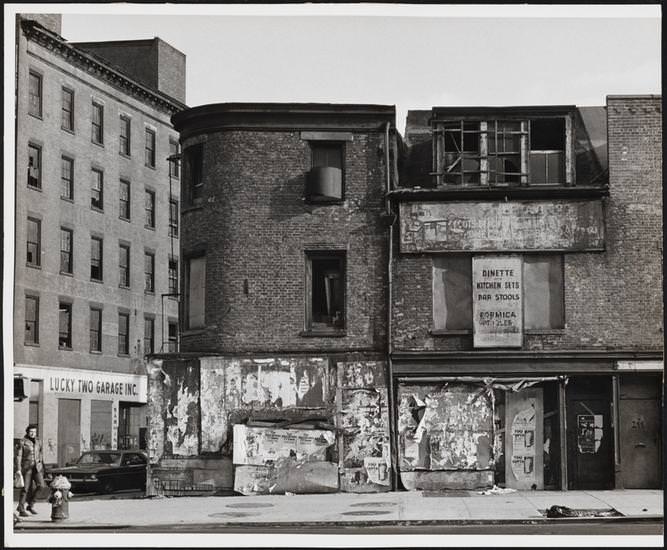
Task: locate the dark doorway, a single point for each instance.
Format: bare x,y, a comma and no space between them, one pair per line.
590,434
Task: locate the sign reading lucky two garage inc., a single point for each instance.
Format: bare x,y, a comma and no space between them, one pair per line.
497,301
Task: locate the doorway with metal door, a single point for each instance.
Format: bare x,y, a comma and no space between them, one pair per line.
640,428
69,430
590,433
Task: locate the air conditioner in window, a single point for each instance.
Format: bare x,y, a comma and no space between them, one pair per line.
324,184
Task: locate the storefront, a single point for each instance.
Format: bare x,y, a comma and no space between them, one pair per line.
80,410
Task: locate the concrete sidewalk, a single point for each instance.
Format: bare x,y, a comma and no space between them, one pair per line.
411,508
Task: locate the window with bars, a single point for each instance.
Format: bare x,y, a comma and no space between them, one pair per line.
97,123
65,325
67,110
123,333
173,218
150,148
97,189
174,164
124,265
125,135
31,320
95,329
34,166
34,243
149,207
96,258
149,272
173,276
124,199
66,178
66,241
149,335
35,93
502,152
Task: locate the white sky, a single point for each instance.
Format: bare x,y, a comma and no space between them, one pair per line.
408,56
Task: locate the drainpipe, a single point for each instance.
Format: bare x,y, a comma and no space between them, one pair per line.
390,258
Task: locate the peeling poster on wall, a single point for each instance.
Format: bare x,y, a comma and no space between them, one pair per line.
589,432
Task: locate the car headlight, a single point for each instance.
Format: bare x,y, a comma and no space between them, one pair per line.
91,477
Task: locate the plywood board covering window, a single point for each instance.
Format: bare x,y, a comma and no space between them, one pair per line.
543,292
452,302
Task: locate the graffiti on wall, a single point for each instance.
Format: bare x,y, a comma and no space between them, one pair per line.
448,427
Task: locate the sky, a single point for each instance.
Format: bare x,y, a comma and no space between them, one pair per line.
414,57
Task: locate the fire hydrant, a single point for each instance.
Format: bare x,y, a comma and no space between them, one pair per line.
59,498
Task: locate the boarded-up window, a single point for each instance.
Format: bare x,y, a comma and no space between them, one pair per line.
452,294
196,292
543,291
100,424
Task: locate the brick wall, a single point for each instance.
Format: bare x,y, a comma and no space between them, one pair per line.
256,227
613,299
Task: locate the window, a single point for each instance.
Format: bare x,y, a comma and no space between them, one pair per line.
33,404
173,336
196,292
65,325
66,178
123,334
31,320
325,179
501,152
193,171
149,335
173,276
34,166
325,291
543,292
97,120
97,189
543,306
125,135
149,272
124,265
173,218
149,157
35,94
149,206
174,168
34,242
96,259
124,199
67,110
95,329
452,293
66,237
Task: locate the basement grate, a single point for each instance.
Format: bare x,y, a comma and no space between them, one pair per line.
366,513
373,504
250,505
446,493
232,515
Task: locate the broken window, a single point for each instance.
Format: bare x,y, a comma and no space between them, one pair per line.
452,293
325,289
543,291
65,325
196,292
34,166
502,151
97,189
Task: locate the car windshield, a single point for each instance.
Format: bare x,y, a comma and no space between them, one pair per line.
99,458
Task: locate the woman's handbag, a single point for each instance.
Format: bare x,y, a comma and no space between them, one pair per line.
18,480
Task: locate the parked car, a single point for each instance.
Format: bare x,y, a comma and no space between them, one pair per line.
106,471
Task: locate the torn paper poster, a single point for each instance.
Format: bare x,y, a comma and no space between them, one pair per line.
261,445
378,470
288,476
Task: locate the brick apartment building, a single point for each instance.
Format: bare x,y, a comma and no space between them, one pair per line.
96,233
493,315
526,303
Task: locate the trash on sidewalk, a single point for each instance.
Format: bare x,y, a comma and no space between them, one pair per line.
495,490
557,511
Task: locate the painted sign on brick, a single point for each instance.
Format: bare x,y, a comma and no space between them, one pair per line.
502,226
497,301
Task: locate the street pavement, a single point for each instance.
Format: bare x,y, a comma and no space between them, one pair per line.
408,508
